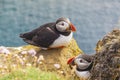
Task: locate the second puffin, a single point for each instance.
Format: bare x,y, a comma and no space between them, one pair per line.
51,35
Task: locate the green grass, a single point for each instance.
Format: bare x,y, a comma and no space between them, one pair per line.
30,74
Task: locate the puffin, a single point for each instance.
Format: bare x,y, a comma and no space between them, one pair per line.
51,35
83,63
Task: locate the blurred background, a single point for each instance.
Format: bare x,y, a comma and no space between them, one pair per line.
93,19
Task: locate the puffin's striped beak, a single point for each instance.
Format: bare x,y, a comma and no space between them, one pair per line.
72,27
70,61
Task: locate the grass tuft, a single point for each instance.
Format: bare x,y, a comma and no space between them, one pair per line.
30,73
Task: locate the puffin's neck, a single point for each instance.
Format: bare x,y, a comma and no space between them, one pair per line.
63,33
87,69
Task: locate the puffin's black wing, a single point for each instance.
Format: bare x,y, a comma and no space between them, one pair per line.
43,36
31,34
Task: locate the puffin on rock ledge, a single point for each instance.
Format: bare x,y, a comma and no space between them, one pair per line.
51,35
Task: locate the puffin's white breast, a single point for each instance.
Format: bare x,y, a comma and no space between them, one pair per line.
83,74
62,41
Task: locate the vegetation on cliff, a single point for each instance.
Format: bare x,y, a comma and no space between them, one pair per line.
15,61
30,62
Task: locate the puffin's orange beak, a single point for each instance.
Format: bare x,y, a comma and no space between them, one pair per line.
72,27
70,60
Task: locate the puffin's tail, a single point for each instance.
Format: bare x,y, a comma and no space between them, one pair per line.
28,36
22,35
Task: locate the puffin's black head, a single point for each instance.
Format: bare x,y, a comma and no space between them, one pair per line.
64,25
82,62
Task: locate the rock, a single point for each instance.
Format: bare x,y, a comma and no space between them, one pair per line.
107,58
57,66
29,55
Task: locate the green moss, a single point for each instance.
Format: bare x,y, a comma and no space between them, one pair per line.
30,74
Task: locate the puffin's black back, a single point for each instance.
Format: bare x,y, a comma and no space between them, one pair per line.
31,34
43,36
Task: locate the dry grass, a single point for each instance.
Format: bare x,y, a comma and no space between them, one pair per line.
20,65
20,58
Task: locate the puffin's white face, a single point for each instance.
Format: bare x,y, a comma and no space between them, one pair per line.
62,26
81,63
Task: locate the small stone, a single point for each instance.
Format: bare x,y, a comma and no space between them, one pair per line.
57,66
61,72
41,58
24,52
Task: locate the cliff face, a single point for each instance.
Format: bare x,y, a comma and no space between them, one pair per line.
54,60
107,58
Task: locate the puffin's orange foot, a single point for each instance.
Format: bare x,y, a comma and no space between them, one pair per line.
60,47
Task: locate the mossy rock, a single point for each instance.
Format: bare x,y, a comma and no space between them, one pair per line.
107,58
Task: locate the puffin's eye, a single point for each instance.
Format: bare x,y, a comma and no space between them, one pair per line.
62,24
81,60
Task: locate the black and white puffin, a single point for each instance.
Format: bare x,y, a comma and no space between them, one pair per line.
83,65
51,35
